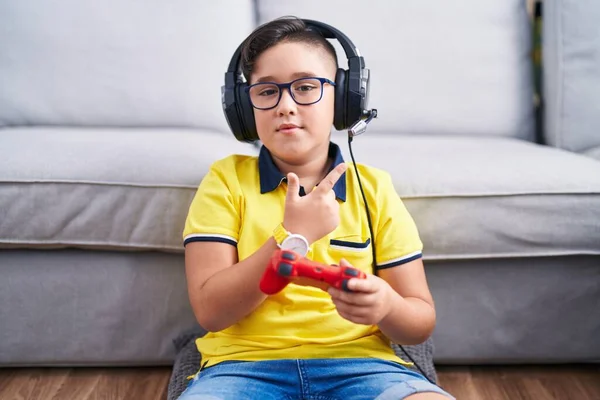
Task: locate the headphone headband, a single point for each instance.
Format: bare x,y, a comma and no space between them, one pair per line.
327,31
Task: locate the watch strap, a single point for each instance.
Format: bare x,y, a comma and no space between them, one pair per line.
280,233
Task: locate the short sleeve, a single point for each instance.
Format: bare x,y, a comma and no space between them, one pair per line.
214,214
398,240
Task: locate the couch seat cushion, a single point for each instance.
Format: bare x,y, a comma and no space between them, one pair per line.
131,189
491,197
126,189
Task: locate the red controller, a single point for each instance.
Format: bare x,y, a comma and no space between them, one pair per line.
285,265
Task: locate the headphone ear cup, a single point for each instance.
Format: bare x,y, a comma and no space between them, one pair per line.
230,109
245,114
341,98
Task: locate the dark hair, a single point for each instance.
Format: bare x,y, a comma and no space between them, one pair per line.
284,29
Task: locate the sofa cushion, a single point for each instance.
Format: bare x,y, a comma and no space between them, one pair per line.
491,197
572,73
100,189
103,188
117,63
443,69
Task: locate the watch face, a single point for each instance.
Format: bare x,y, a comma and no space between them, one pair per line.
295,243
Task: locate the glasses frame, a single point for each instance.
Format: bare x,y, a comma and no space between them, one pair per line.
288,86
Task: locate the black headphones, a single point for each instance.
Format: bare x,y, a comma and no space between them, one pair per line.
351,89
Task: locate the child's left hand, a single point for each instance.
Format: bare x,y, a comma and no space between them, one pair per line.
368,302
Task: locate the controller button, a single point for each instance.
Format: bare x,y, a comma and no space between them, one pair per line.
285,269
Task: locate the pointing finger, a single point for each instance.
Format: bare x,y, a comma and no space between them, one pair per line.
330,180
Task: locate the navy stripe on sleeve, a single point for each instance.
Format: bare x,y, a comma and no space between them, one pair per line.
201,237
402,260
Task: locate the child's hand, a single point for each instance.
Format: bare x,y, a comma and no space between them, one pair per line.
316,214
368,302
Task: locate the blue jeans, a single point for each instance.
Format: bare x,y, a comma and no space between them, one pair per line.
308,379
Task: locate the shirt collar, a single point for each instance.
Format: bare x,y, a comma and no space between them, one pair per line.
271,177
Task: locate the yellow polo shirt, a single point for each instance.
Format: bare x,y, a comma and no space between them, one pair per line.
241,201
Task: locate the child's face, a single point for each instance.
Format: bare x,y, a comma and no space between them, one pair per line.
284,63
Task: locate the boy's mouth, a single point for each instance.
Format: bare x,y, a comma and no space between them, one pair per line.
287,128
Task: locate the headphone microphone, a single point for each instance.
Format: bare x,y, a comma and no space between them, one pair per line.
360,126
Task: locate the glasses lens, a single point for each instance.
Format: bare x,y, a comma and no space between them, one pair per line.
264,95
304,91
307,91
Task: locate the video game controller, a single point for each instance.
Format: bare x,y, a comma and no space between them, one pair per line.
285,265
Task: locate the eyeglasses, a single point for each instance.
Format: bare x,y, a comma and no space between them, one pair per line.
304,91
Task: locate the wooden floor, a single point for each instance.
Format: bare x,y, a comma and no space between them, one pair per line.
577,382
522,382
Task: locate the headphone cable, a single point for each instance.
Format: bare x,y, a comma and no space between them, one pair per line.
373,249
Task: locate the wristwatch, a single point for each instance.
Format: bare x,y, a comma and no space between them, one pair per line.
290,241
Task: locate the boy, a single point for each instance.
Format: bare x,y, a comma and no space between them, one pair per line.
304,342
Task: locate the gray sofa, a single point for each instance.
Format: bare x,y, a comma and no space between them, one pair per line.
110,116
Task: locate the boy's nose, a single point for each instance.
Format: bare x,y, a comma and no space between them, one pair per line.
286,105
